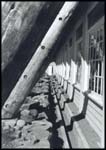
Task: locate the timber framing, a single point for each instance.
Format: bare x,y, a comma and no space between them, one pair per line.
29,75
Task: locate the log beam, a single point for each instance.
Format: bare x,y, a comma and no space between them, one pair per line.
38,63
18,18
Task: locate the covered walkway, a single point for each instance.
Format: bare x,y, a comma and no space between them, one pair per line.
53,59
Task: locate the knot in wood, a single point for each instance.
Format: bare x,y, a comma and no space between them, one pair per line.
60,18
25,76
43,47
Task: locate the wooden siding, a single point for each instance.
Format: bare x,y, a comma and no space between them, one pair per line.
76,92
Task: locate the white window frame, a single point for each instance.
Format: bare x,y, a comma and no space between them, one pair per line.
77,41
94,28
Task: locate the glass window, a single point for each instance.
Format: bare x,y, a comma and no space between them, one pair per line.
96,48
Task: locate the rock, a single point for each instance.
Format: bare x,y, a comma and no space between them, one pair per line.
25,112
36,91
26,116
7,137
6,127
43,123
34,113
20,123
17,132
34,134
24,133
45,86
37,128
42,115
40,132
35,99
43,143
18,142
37,144
27,119
9,123
24,145
24,106
44,101
30,137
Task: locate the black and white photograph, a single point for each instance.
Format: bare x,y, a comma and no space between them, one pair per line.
52,74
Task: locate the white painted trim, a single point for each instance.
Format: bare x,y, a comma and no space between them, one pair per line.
78,87
98,99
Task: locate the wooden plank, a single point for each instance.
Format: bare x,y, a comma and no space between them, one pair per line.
94,126
94,120
94,113
93,106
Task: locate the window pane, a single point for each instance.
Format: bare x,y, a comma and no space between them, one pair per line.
96,44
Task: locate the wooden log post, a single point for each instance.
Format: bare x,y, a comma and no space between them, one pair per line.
38,62
18,18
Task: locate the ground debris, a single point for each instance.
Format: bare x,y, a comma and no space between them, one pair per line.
31,127
35,124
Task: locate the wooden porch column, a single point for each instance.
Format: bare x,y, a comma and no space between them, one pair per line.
32,71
